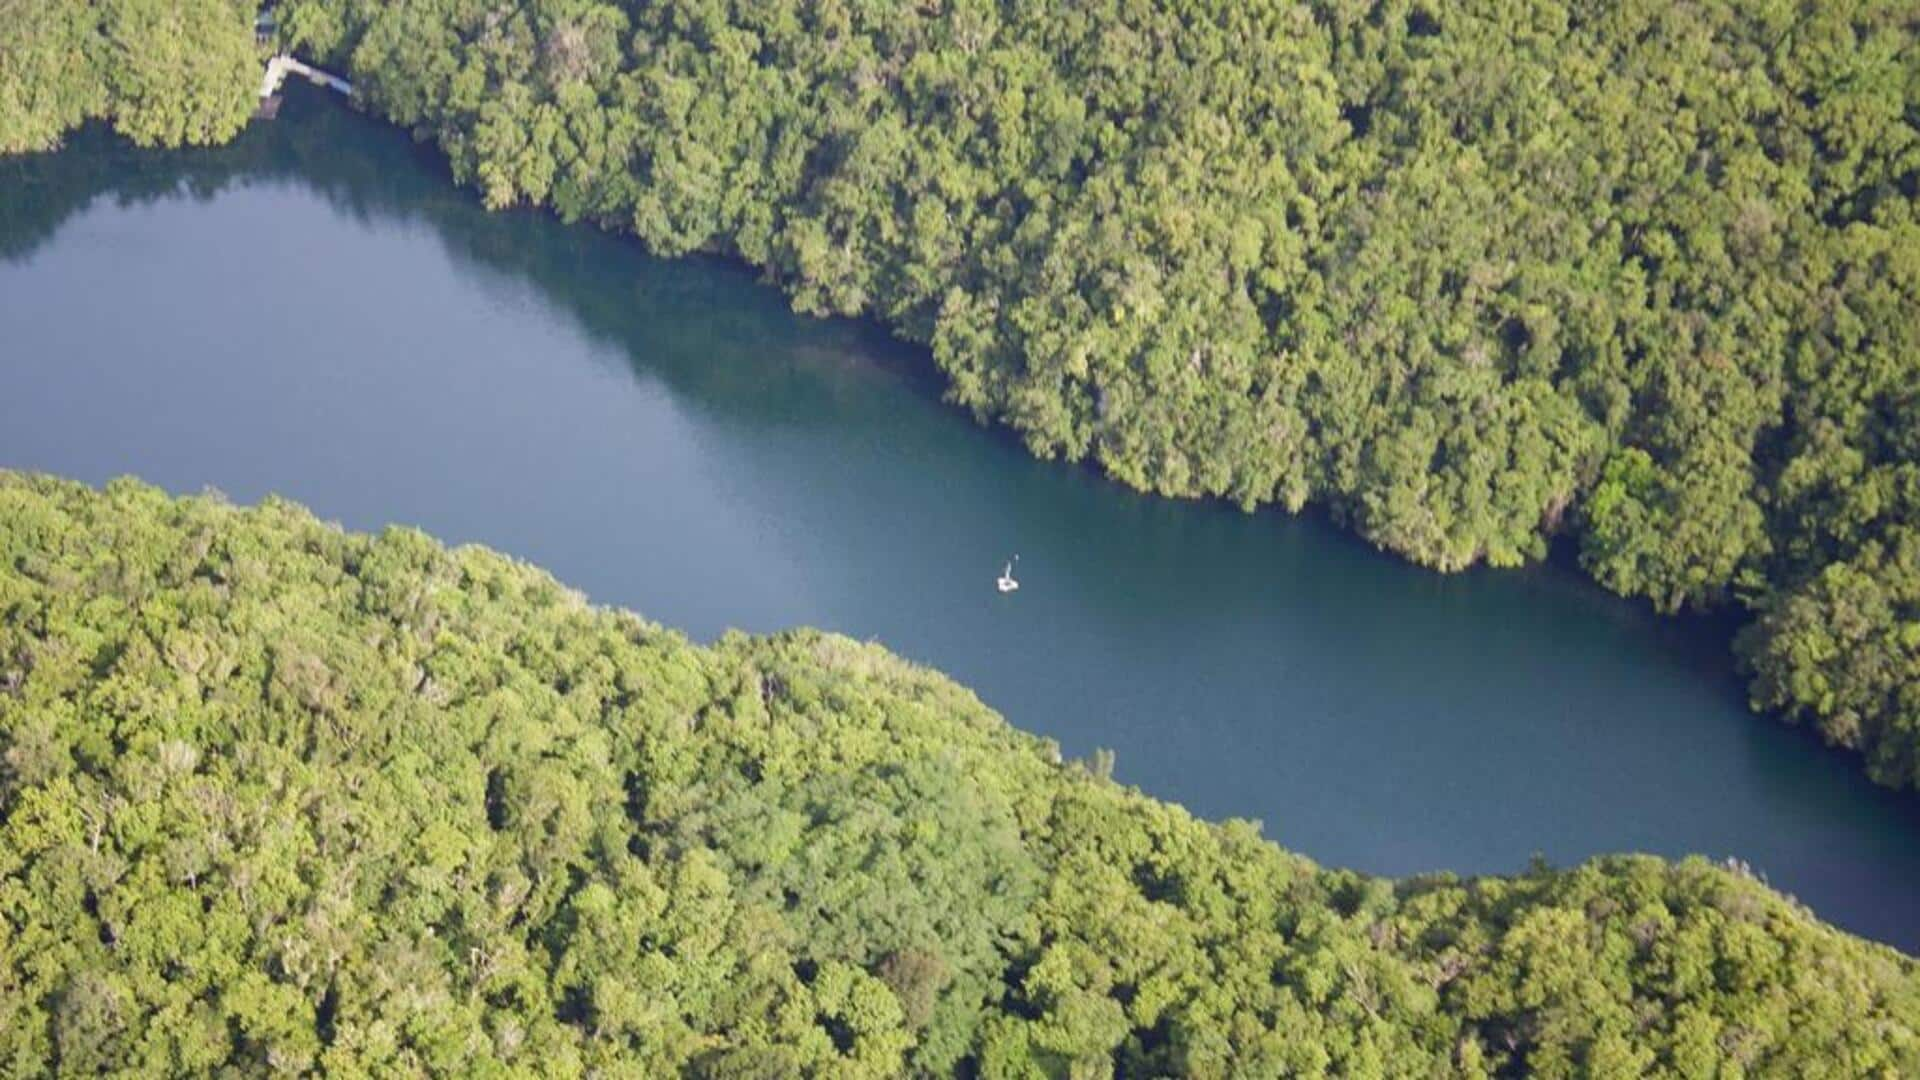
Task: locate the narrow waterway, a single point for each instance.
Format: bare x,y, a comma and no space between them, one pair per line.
317,312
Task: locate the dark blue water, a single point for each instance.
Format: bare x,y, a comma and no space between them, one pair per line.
317,312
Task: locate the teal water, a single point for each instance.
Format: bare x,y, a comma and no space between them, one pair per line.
315,311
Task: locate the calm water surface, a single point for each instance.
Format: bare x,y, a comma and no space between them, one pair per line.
317,312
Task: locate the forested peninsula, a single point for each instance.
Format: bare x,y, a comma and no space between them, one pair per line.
1472,276
275,796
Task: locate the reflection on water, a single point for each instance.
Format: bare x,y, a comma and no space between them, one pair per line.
316,311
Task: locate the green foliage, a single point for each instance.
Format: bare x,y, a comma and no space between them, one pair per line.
1472,277
276,797
180,74
48,79
1845,648
164,72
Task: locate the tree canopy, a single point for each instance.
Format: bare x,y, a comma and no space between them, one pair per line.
275,796
1472,275
164,72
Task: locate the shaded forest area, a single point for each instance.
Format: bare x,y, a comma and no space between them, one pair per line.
275,796
1645,276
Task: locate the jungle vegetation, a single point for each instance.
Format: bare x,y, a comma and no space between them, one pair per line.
1474,276
163,72
279,797
1643,275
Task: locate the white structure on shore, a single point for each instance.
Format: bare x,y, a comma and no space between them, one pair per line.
280,66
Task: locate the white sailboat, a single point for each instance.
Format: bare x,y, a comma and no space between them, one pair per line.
1006,582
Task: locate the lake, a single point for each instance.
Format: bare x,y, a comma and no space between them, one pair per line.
316,311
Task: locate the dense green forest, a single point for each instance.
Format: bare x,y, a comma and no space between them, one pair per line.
1645,275
1473,275
276,796
164,72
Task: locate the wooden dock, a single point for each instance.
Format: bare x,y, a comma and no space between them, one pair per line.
283,65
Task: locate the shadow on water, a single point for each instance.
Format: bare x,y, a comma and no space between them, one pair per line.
703,324
702,314
669,436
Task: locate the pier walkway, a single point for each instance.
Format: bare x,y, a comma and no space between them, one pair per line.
281,66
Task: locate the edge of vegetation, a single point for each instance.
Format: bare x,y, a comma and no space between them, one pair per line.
276,796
